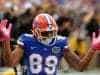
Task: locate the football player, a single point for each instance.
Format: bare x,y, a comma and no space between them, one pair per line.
43,50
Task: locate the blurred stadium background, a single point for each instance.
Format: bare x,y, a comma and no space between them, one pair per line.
77,19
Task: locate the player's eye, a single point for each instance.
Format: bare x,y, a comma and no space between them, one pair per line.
47,33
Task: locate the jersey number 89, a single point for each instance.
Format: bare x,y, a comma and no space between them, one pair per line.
36,66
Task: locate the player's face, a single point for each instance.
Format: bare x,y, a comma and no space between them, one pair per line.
47,34
47,37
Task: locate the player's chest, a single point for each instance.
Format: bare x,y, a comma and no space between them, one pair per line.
43,50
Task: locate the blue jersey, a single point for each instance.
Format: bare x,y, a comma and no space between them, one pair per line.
41,59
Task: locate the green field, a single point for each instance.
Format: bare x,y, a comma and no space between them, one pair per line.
87,72
91,71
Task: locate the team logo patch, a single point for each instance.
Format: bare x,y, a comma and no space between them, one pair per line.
56,50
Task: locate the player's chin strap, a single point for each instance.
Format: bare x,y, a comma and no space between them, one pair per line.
49,41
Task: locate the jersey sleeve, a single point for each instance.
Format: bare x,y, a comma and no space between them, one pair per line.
66,43
65,46
20,40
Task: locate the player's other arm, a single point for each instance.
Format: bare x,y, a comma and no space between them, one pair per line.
11,58
81,64
76,62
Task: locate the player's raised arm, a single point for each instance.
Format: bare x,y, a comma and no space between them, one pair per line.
10,57
81,64
76,62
